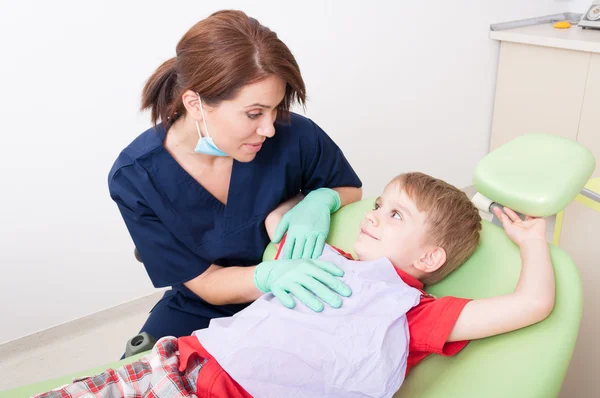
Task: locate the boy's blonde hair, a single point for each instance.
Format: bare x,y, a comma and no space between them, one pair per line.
452,221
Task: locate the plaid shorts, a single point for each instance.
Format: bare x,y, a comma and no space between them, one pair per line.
154,375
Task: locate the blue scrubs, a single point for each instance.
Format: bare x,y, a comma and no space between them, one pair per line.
180,229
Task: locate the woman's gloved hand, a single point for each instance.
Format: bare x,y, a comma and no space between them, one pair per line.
303,278
307,225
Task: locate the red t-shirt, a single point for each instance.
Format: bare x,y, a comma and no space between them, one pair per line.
429,323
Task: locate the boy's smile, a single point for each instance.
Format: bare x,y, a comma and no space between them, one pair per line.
364,231
394,228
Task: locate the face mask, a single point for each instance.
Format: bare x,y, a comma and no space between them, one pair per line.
205,144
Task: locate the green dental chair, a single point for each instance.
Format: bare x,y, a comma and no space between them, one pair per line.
537,175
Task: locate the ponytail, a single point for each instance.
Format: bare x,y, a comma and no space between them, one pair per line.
160,91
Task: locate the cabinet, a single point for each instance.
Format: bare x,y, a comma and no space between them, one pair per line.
579,237
549,82
538,90
589,123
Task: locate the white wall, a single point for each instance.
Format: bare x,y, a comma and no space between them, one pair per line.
579,6
399,87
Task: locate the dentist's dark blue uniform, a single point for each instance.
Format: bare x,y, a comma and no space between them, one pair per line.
180,229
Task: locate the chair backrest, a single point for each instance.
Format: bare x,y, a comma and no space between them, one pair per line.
531,362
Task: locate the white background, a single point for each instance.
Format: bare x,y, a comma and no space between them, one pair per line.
399,86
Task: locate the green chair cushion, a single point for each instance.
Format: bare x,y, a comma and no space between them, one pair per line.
531,362
556,168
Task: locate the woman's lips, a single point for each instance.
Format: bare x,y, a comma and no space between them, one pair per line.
253,147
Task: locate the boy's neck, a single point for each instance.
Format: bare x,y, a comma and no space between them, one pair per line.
408,277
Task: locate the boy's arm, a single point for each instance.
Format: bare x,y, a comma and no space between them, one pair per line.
273,219
533,299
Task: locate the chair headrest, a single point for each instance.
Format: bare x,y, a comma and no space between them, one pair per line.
535,174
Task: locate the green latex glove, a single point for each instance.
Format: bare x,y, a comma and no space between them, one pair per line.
303,278
307,225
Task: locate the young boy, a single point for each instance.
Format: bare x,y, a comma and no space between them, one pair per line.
419,231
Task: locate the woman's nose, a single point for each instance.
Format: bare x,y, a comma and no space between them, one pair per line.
267,128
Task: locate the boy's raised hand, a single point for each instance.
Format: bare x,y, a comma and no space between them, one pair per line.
533,297
521,230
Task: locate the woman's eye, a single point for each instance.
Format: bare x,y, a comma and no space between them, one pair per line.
254,115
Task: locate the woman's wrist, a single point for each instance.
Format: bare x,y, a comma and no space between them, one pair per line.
271,223
226,285
327,196
348,195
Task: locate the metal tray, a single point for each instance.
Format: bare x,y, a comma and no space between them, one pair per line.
571,17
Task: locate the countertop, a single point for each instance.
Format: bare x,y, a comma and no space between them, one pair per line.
573,38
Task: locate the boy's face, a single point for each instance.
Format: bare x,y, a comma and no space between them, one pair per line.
394,229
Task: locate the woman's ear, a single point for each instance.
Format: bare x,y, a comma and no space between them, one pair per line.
192,104
431,260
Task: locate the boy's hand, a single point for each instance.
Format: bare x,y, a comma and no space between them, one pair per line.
519,230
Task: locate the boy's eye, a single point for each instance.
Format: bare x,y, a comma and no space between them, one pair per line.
376,206
397,215
254,115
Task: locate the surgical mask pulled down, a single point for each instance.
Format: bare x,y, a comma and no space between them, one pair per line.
205,144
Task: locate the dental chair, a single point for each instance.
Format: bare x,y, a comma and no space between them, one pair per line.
537,175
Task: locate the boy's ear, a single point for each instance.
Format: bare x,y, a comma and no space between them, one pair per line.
431,260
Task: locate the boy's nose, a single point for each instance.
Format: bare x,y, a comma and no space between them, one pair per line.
372,218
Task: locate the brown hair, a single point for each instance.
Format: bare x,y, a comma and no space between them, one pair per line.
452,220
217,57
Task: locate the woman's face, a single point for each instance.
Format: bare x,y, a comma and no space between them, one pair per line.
240,126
